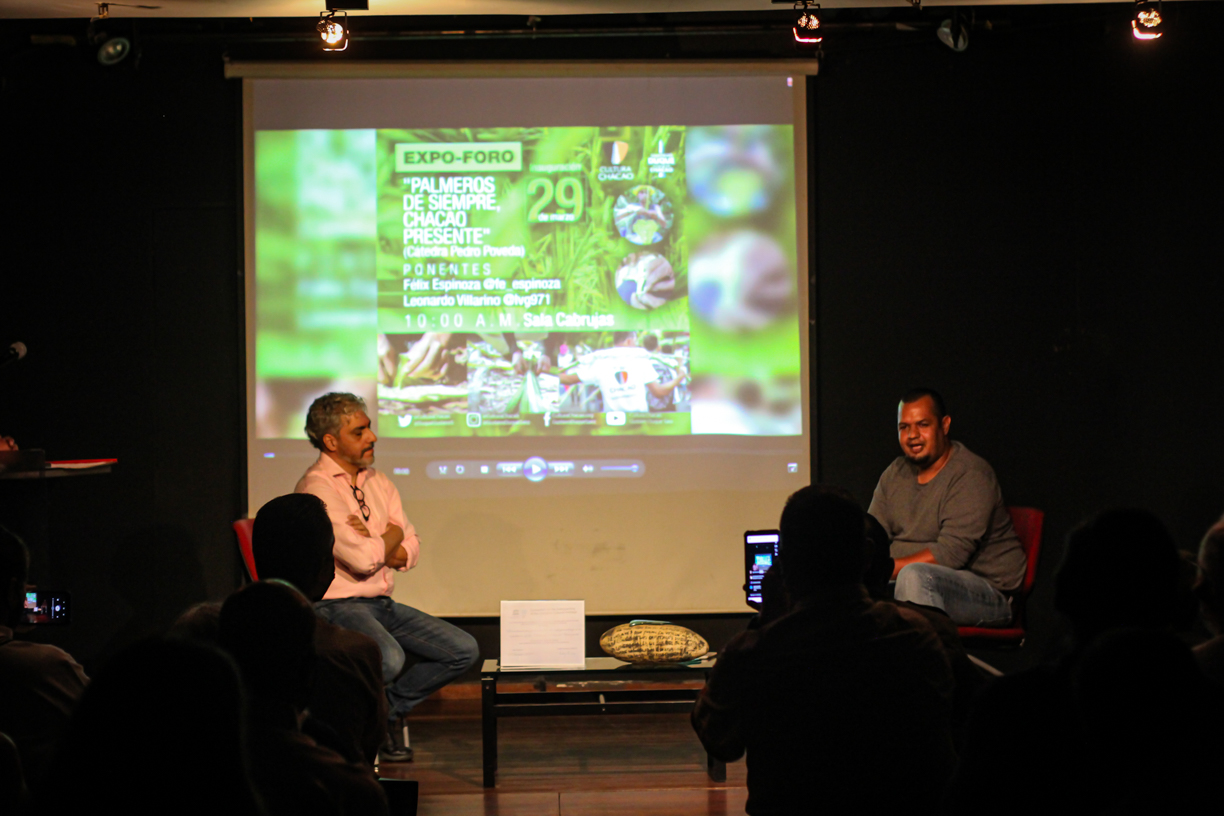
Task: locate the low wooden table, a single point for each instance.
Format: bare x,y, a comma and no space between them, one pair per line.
546,699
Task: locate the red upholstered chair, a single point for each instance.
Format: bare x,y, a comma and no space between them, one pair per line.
1028,522
243,529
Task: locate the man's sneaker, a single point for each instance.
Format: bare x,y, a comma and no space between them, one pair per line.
395,748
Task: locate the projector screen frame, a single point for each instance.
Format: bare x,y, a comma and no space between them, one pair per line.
802,70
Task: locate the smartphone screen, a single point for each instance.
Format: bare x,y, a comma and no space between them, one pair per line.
47,607
760,550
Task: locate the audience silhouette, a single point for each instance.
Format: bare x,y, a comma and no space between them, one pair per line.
835,692
1080,725
269,629
836,689
119,752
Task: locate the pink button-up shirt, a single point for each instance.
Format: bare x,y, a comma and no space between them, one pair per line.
360,568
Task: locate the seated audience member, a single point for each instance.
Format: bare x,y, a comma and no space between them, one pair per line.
293,540
1150,722
269,628
39,684
199,623
14,794
839,699
1120,571
952,538
1210,591
159,731
969,679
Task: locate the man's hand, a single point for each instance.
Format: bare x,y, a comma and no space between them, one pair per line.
920,557
398,558
357,524
392,538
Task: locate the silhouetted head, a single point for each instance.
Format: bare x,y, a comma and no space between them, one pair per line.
200,623
117,753
293,540
1209,588
268,628
823,542
1120,570
14,569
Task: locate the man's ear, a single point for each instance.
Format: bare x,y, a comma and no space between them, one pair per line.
331,443
947,423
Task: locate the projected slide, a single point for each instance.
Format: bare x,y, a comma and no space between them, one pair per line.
531,281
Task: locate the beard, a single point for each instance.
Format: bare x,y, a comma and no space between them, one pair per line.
363,461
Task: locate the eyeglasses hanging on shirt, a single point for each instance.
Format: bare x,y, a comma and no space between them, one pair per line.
359,495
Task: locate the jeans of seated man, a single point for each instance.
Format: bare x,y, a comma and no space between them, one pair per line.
444,651
969,599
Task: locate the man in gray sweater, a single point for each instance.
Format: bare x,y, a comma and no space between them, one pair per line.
952,538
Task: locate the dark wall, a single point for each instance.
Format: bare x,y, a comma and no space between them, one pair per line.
1029,226
1032,227
121,278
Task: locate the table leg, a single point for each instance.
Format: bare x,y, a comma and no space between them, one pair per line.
488,729
716,768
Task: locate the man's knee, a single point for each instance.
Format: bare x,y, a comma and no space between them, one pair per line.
915,584
460,650
392,658
468,652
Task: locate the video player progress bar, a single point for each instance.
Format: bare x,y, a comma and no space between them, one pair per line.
536,469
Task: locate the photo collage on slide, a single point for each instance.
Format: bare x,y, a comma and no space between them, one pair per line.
543,281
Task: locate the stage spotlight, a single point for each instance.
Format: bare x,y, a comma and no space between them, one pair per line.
1146,23
954,32
109,39
333,32
807,26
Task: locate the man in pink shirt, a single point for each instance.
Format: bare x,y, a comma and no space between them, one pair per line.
374,539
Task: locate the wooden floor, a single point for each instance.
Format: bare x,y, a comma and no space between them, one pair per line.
623,765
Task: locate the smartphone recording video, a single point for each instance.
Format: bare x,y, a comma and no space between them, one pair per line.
760,552
42,608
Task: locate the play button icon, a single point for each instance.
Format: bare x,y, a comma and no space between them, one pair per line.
535,469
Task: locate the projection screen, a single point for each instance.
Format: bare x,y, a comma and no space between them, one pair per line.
574,298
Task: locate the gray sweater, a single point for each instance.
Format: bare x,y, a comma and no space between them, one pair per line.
959,516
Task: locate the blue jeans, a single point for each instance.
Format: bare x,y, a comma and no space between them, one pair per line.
445,651
969,600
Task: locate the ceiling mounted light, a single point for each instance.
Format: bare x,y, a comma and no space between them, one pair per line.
954,32
807,26
333,32
110,39
1146,23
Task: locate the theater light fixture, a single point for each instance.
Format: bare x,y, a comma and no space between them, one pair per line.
954,32
1145,25
333,32
807,25
111,40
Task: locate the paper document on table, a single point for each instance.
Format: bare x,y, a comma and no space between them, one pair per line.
543,634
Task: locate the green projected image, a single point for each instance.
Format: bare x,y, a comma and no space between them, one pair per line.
543,281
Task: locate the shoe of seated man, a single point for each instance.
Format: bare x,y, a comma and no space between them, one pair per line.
395,747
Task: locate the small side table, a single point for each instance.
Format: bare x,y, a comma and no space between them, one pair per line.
546,701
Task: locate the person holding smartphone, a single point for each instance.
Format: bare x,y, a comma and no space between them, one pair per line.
39,684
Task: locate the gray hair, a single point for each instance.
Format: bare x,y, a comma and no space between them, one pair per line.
328,413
